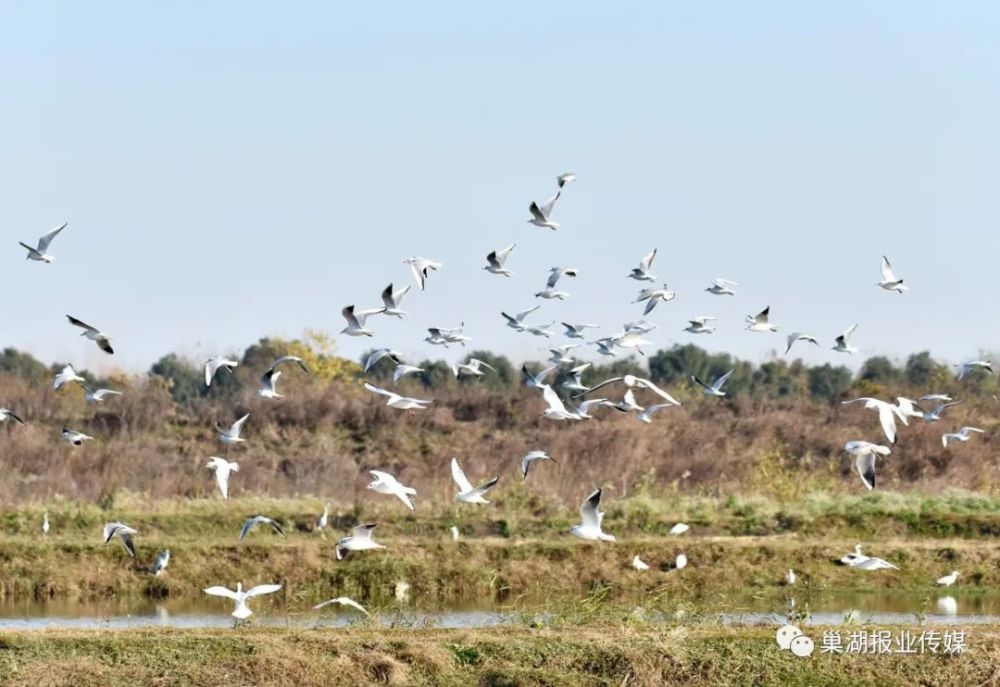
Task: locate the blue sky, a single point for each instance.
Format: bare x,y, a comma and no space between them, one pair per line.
236,170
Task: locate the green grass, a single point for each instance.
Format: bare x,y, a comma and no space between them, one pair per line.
591,655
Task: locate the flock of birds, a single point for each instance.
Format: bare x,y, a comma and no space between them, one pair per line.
564,404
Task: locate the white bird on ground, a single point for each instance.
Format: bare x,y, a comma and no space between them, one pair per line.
871,563
556,410
391,300
387,484
7,413
222,469
679,528
342,601
940,398
421,268
397,401
41,253
864,453
65,376
242,611
356,320
680,562
541,215
889,280
530,458
252,522
590,520
722,287
73,437
961,435
654,296
971,365
360,539
213,365
560,354
887,414
161,562
790,577
466,492
231,435
638,564
642,273
576,331
91,395
550,285
269,384
761,321
497,260
715,389
375,356
454,533
540,330
402,369
323,519
843,342
102,340
948,580
45,523
575,383
123,532
565,178
535,381
471,368
799,336
700,325
633,382
935,413
517,320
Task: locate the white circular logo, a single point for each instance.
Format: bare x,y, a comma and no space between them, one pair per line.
786,634
802,646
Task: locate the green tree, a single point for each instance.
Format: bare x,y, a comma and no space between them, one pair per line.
23,365
185,381
828,382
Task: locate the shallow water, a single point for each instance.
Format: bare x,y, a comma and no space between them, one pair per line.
831,608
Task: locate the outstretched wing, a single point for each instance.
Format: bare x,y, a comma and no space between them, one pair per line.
589,514
46,239
460,479
645,383
377,390
887,274
81,323
221,591
552,398
647,261
262,589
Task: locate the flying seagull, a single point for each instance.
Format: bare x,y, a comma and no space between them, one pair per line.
356,320
934,414
575,383
555,274
843,342
541,330
443,336
535,381
269,384
556,409
290,359
250,523
646,414
241,611
65,376
516,321
799,336
566,178
73,437
471,368
97,395
631,339
123,532
378,354
560,354
466,492
654,296
642,273
576,331
6,413
961,435
497,260
530,458
402,369
213,365
889,280
964,369
102,340
700,325
41,254
541,215
590,520
864,453
715,389
342,601
761,322
222,469
397,401
887,414
633,382
722,287
231,435
391,300
360,539
387,484
421,267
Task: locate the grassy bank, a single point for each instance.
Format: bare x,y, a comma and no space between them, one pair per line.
515,547
598,655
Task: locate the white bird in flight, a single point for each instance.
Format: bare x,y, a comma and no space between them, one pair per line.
654,296
397,401
871,563
387,484
843,342
471,368
540,330
391,300
530,458
342,601
91,395
102,340
590,520
715,389
445,336
799,336
761,321
969,366
252,522
375,356
576,331
41,253
961,435
421,268
630,339
864,453
123,532
516,321
935,413
565,178
402,369
222,469
575,382
535,381
242,611
360,539
356,320
65,376
556,409
541,215
887,414
269,384
700,325
722,287
213,365
73,437
466,492
497,260
646,414
642,273
633,382
560,354
7,413
231,434
556,273
890,282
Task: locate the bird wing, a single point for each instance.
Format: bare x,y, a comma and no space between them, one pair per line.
221,591
725,282
552,398
382,476
887,274
377,390
847,333
722,380
887,418
547,206
238,425
536,212
501,255
291,359
81,323
363,532
262,589
387,298
460,479
247,526
222,478
865,464
491,258
418,274
46,239
694,378
589,514
554,275
647,261
761,317
524,313
126,537
486,486
657,390
270,378
605,383
352,320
